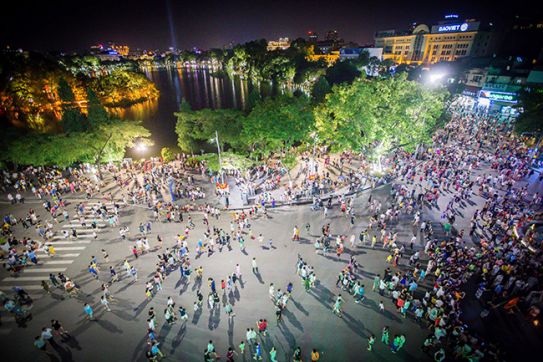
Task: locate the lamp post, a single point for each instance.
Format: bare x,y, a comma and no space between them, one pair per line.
315,138
219,153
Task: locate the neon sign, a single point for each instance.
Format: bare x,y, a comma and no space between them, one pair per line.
499,96
454,27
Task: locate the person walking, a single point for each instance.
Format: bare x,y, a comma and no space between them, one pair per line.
229,310
58,329
371,342
337,305
385,336
45,286
230,354
89,313
258,352
105,303
39,343
255,266
273,354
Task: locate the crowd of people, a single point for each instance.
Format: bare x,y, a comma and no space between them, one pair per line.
475,157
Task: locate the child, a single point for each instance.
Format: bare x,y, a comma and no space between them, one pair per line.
371,341
381,307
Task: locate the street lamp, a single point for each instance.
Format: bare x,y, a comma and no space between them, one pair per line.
141,147
216,139
433,77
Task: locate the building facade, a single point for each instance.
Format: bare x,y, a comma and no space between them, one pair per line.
281,44
446,41
354,53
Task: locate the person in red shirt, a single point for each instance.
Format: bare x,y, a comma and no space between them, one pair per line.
262,325
230,355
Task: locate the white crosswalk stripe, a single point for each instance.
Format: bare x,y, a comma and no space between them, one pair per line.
59,239
63,248
71,242
57,262
83,231
66,250
88,226
44,270
58,256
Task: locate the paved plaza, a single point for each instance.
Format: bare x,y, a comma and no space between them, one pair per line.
308,321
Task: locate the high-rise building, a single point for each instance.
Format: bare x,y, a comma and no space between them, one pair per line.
448,40
523,37
332,35
312,36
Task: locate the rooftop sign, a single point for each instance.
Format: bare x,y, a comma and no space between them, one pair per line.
455,27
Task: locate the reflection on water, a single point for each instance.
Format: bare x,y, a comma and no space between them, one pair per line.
198,87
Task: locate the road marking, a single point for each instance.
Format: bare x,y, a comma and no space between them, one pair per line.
45,270
81,231
26,279
81,226
72,242
61,248
58,256
59,239
51,262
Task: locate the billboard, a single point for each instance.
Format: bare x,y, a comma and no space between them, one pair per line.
506,97
455,27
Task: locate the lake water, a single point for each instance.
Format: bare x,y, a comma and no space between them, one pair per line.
198,87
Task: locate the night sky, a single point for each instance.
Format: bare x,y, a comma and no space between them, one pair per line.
74,25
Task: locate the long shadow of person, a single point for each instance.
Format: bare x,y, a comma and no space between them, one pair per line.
196,316
259,277
231,331
176,342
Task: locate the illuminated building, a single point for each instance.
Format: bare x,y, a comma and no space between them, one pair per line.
281,44
354,53
111,51
329,58
446,41
122,50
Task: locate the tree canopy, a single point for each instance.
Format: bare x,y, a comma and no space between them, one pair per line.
195,128
107,141
278,122
389,112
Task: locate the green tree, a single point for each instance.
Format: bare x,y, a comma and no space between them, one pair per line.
320,89
196,128
278,122
96,113
254,98
72,119
383,113
105,143
342,72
